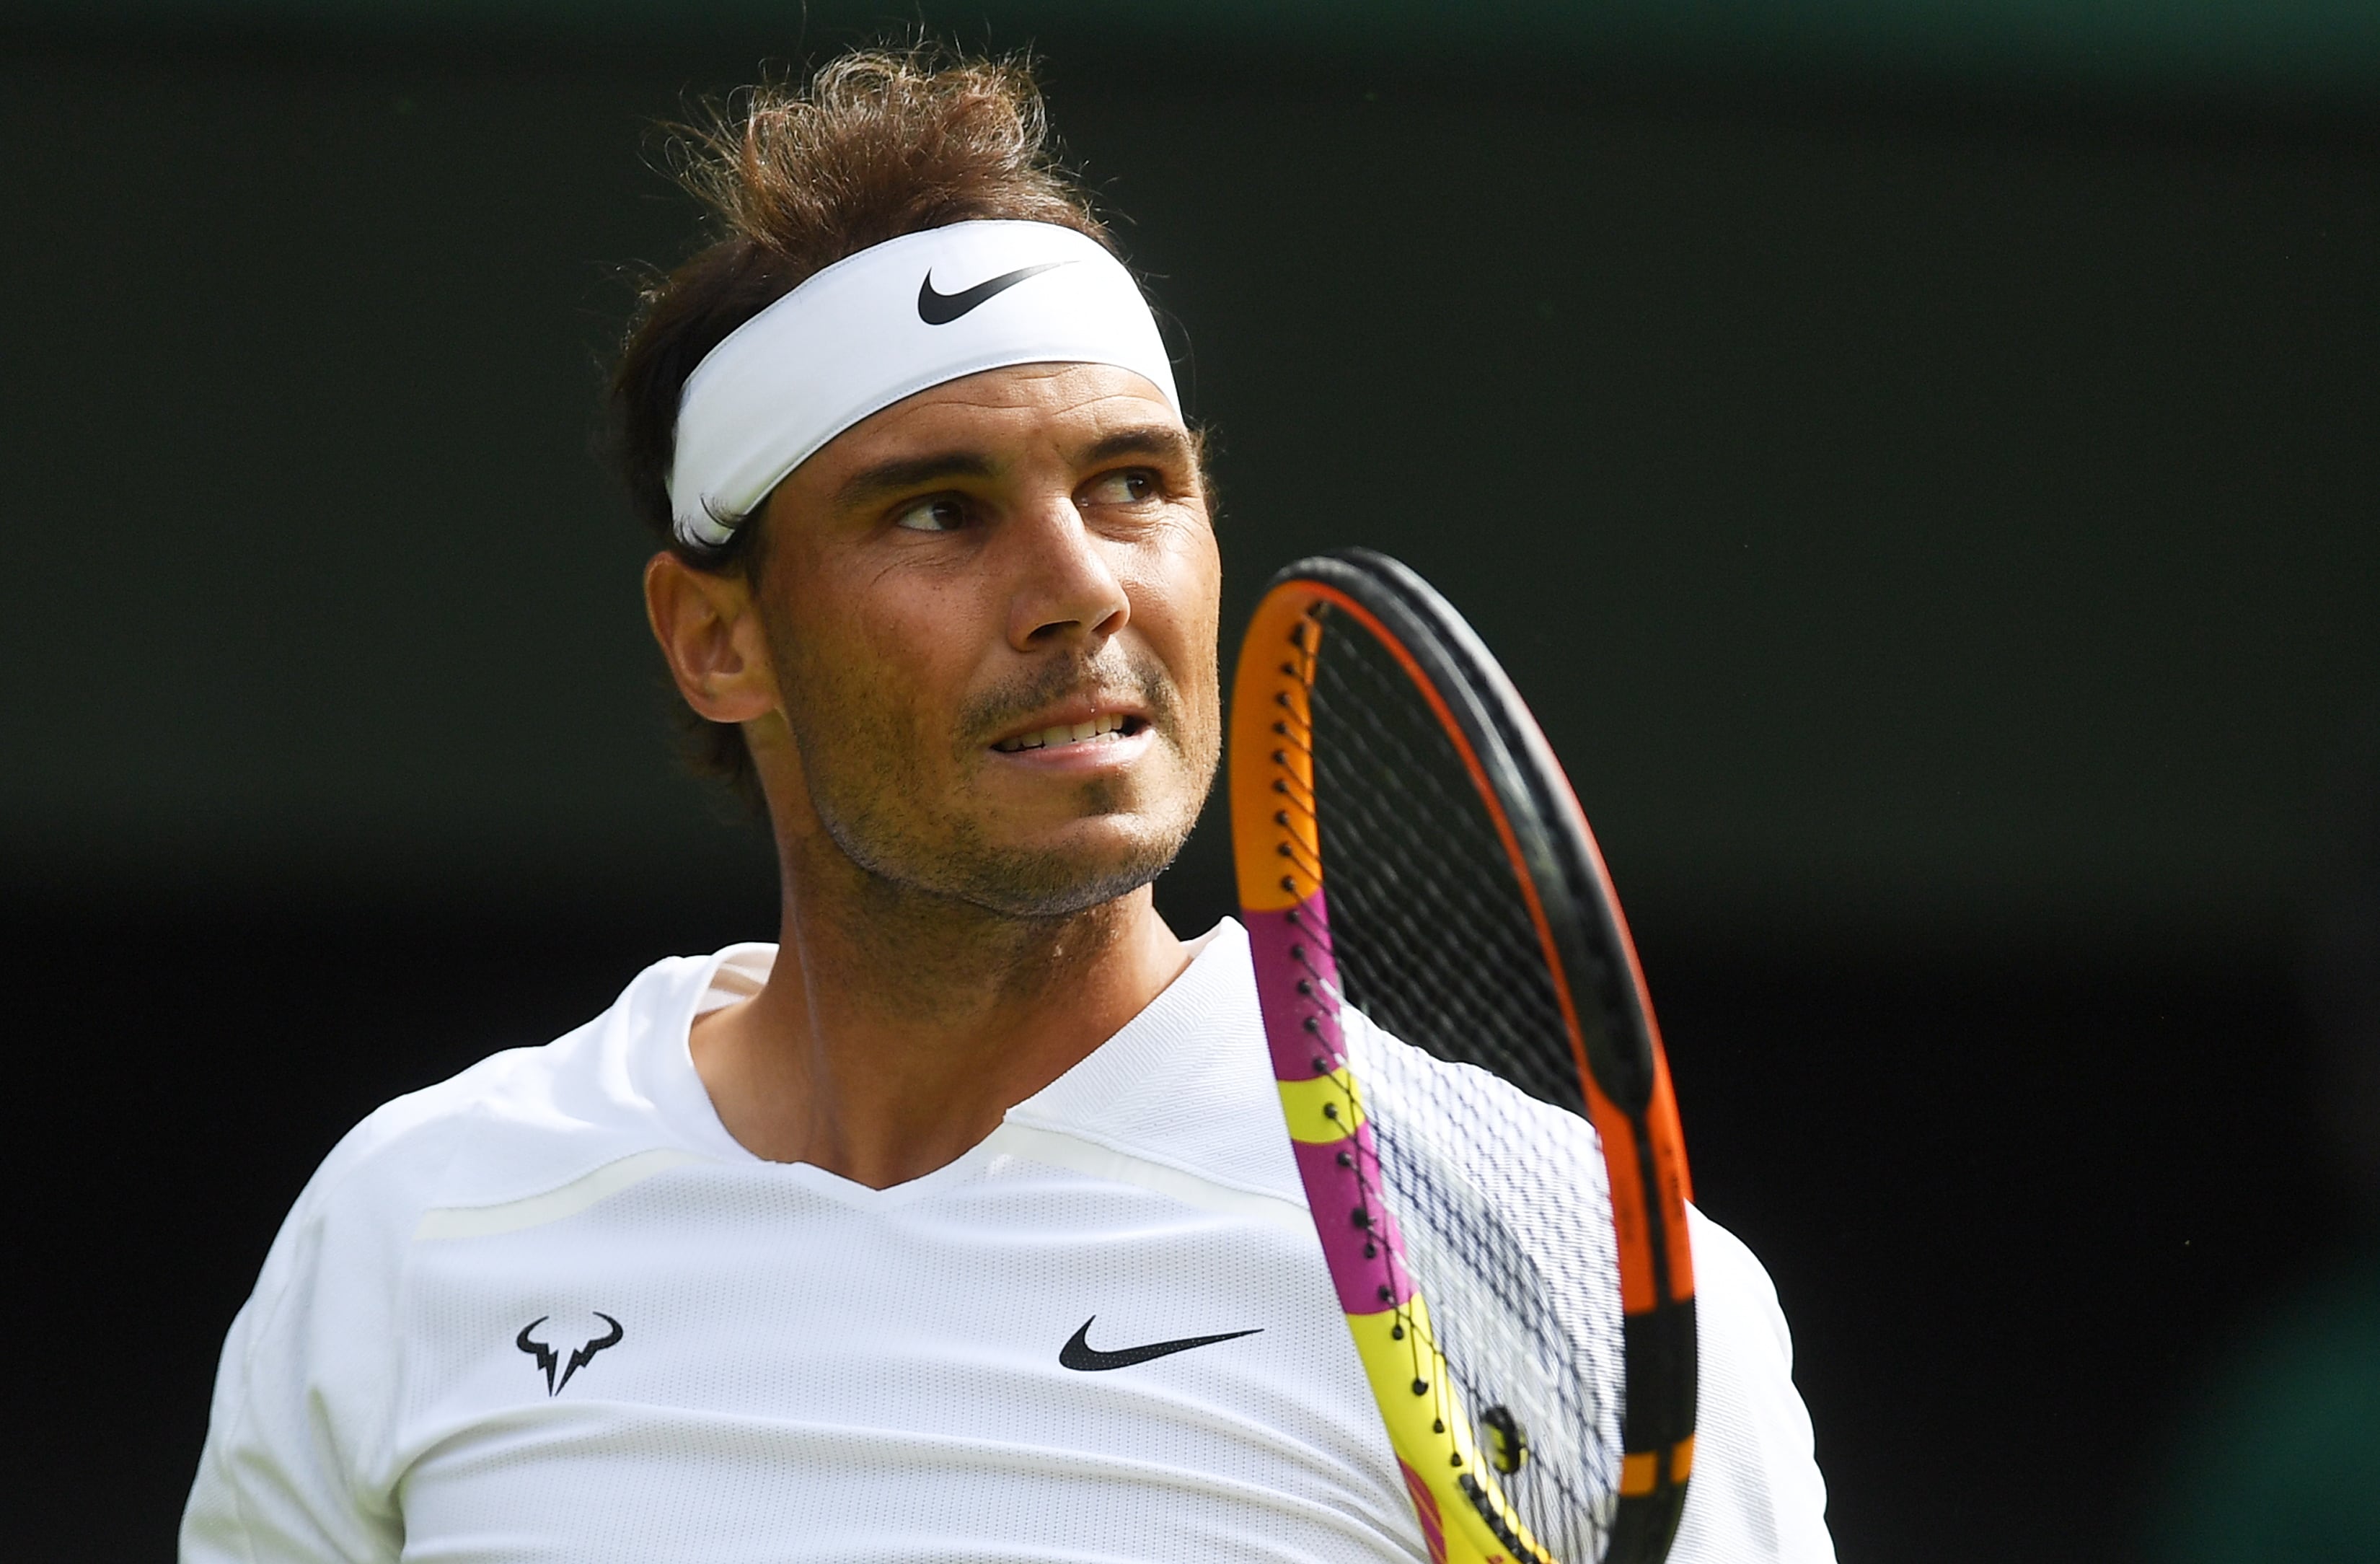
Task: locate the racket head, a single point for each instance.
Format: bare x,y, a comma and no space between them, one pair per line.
1415,873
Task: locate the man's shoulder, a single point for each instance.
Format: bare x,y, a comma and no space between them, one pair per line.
519,1122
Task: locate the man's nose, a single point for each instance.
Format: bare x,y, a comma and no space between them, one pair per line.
1064,587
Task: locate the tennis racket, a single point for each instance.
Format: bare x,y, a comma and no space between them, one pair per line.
1470,1071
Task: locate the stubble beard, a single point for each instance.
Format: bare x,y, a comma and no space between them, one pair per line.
873,813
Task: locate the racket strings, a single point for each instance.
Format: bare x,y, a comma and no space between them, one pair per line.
1424,1351
1434,944
1417,866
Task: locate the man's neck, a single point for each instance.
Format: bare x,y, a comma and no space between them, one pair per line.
896,1028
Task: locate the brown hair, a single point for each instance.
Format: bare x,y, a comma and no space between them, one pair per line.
880,143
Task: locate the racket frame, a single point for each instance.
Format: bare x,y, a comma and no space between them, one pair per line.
1614,1042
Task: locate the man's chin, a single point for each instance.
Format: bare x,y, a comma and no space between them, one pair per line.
1058,872
1052,857
1086,868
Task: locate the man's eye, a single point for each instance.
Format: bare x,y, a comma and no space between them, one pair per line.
942,513
1129,487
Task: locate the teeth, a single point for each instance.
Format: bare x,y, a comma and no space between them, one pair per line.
1106,725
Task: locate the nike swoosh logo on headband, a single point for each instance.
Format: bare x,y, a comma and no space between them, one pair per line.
1078,1353
942,309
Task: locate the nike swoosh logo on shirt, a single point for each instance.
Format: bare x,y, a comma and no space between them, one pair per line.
942,309
1080,1354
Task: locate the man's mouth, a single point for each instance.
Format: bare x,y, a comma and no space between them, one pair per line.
1106,728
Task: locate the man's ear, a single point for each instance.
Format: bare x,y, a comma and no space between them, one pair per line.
710,633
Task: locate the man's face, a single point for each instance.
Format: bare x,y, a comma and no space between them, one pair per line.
992,610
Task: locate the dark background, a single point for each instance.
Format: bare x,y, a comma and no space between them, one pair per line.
1920,468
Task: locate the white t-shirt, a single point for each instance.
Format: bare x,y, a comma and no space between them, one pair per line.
550,1311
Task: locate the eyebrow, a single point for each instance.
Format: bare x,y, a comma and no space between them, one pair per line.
1163,441
910,472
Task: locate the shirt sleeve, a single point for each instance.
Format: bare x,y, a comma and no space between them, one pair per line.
302,1398
1755,1492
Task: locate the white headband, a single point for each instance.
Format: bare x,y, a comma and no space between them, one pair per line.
886,324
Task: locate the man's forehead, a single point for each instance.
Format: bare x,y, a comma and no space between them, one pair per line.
1013,407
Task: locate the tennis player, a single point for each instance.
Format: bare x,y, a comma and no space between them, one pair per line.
960,1223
